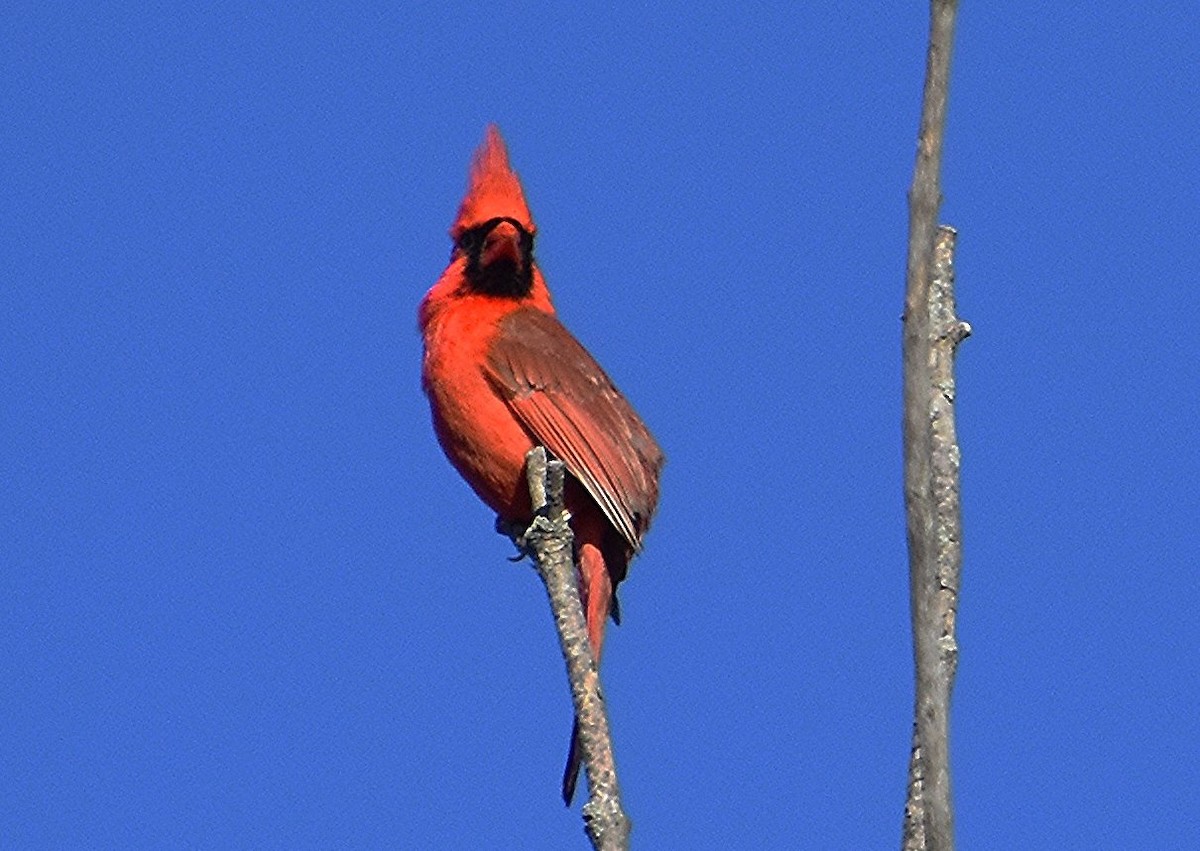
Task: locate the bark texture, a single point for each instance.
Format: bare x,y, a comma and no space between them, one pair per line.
549,541
932,333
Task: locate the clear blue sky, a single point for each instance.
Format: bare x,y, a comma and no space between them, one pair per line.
247,603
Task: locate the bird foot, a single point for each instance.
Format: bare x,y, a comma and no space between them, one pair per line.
523,536
515,532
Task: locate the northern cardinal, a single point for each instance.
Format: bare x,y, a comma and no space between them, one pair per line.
502,375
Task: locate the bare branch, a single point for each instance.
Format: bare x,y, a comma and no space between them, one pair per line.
549,541
931,459
935,580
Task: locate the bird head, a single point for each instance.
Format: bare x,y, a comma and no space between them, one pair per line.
494,230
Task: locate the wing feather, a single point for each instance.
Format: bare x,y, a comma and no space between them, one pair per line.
558,391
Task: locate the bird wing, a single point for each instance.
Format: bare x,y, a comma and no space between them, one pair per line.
558,391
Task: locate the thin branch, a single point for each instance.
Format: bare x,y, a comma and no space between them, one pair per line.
549,541
931,459
935,599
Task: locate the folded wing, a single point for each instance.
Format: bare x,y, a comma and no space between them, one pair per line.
568,403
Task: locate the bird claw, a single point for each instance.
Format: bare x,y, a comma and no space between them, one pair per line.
515,532
522,536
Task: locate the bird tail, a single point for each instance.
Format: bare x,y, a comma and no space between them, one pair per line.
574,761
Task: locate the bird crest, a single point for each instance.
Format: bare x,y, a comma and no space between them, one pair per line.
493,190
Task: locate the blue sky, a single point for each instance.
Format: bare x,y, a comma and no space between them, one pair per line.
247,603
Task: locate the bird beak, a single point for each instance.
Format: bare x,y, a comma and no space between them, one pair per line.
503,242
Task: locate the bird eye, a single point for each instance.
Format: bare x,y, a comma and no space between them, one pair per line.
470,241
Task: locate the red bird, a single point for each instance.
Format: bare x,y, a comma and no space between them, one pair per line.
503,375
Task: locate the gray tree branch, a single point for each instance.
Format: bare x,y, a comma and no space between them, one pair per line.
938,608
931,459
549,541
